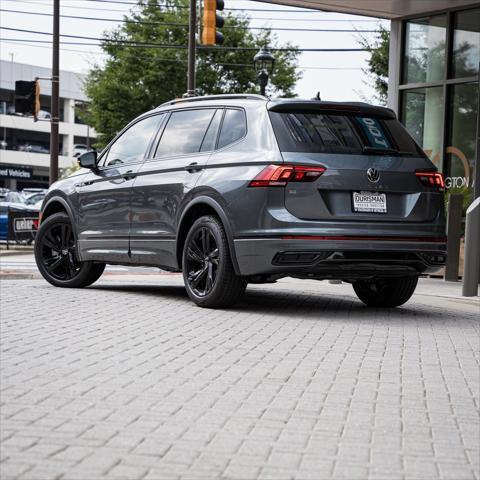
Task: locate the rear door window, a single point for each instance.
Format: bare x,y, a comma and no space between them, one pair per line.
184,132
341,133
234,127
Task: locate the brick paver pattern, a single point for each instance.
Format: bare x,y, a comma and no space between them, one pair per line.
135,382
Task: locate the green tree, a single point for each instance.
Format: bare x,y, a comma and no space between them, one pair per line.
378,63
134,79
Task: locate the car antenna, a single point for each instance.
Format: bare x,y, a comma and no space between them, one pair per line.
317,97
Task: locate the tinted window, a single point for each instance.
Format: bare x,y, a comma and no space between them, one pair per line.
339,133
184,132
132,145
234,127
321,132
211,135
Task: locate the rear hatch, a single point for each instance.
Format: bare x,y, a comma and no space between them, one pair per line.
372,164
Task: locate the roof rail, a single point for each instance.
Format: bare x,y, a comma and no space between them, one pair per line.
229,96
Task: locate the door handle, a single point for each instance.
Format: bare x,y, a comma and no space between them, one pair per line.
193,167
129,175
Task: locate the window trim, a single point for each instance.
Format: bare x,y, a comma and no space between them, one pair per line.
222,114
104,154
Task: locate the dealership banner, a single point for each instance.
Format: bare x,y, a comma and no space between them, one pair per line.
23,173
22,225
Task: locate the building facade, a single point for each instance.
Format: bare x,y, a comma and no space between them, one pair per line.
434,88
25,144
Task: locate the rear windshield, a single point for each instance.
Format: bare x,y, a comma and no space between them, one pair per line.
341,133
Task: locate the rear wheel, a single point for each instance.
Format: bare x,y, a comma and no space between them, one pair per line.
208,272
56,257
385,292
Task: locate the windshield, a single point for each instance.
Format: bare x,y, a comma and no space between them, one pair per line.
342,133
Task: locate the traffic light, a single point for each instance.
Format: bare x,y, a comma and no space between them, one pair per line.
27,97
212,21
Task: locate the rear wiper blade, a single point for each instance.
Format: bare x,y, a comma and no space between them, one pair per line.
384,151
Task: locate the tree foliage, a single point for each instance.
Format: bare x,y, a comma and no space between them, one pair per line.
135,79
378,63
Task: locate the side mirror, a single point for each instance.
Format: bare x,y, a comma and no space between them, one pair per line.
88,160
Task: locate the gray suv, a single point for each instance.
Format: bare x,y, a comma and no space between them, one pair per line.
239,189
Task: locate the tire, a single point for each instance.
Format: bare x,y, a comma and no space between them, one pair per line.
385,292
56,256
207,267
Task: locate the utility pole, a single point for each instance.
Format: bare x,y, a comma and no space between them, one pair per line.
192,26
54,144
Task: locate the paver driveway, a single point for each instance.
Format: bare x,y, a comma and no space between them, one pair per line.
135,382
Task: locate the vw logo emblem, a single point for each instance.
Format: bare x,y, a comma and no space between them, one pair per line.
373,175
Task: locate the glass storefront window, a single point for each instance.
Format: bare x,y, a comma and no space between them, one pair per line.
422,116
425,50
461,149
466,43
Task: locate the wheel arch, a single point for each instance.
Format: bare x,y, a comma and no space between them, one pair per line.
197,208
57,204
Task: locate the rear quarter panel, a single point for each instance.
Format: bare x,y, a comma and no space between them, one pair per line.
230,170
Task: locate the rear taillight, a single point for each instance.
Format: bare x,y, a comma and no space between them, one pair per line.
280,175
431,179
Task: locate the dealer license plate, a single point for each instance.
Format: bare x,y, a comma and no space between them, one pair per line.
372,202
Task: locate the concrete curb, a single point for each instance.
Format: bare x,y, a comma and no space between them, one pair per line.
18,276
7,253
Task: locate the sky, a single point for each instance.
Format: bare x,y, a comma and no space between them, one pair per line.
338,76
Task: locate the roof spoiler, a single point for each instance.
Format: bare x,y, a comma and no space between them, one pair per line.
299,106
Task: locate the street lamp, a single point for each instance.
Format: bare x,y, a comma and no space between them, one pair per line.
263,62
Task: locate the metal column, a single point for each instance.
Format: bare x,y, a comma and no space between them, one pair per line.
54,143
192,25
471,274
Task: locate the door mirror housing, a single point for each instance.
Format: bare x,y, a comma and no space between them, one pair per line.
88,160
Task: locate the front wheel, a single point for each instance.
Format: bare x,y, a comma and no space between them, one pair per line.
56,257
208,272
385,292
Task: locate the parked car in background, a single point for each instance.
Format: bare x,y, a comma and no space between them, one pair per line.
10,196
44,115
34,198
29,190
10,200
238,189
79,148
33,148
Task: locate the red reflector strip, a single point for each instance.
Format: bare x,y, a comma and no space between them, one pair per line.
431,179
358,238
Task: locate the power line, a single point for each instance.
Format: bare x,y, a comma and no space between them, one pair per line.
37,3
185,25
167,60
202,47
363,20
170,5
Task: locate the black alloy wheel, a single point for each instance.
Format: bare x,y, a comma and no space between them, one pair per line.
56,255
202,262
58,252
208,272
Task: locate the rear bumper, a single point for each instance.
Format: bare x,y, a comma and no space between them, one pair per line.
340,257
